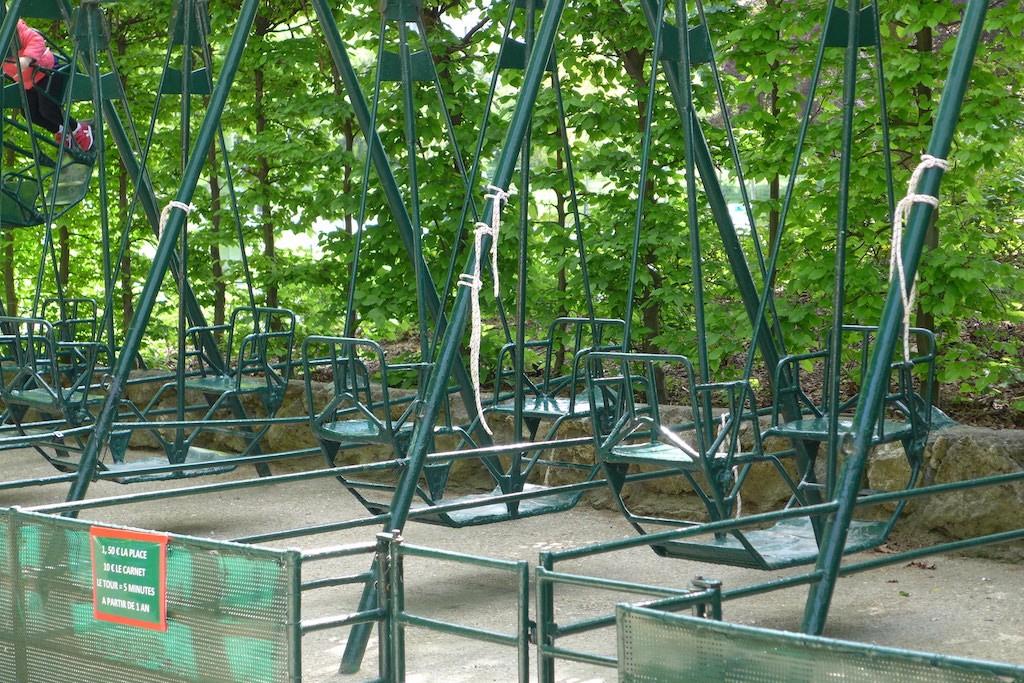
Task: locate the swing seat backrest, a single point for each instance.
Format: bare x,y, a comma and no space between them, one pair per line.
906,408
19,197
74,319
554,381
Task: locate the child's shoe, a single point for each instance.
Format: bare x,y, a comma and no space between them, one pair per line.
83,137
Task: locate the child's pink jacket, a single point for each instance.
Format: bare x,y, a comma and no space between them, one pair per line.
32,45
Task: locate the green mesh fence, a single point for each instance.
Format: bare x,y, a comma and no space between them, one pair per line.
6,607
658,646
231,612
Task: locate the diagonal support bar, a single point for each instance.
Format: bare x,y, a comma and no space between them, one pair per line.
451,344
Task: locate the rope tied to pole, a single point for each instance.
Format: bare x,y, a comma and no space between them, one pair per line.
474,282
174,204
908,291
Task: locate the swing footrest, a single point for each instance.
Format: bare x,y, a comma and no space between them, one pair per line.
222,385
486,513
196,456
788,543
56,399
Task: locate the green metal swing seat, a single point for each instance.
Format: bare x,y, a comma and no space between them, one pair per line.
558,395
255,362
73,318
26,196
362,409
258,353
702,444
56,180
55,380
354,414
553,391
906,414
705,448
905,417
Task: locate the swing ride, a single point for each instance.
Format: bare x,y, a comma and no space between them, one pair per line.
65,380
355,416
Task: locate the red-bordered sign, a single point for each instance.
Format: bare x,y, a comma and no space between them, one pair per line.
129,577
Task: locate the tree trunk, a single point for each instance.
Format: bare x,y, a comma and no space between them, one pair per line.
925,43
10,292
263,178
773,109
220,288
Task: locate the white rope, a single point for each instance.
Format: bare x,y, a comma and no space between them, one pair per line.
474,283
174,204
909,290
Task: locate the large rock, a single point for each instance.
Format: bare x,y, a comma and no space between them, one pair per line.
958,454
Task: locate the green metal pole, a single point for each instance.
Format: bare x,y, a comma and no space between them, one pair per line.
877,376
165,249
452,341
835,347
515,472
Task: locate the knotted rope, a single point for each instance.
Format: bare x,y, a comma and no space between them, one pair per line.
474,282
908,291
174,204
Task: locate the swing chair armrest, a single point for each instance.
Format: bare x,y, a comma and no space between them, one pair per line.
731,386
409,367
505,368
212,329
76,363
678,442
348,360
786,384
206,365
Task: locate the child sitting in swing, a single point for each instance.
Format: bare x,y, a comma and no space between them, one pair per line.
31,70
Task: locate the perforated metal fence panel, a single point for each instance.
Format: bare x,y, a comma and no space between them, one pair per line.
658,646
232,612
6,606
